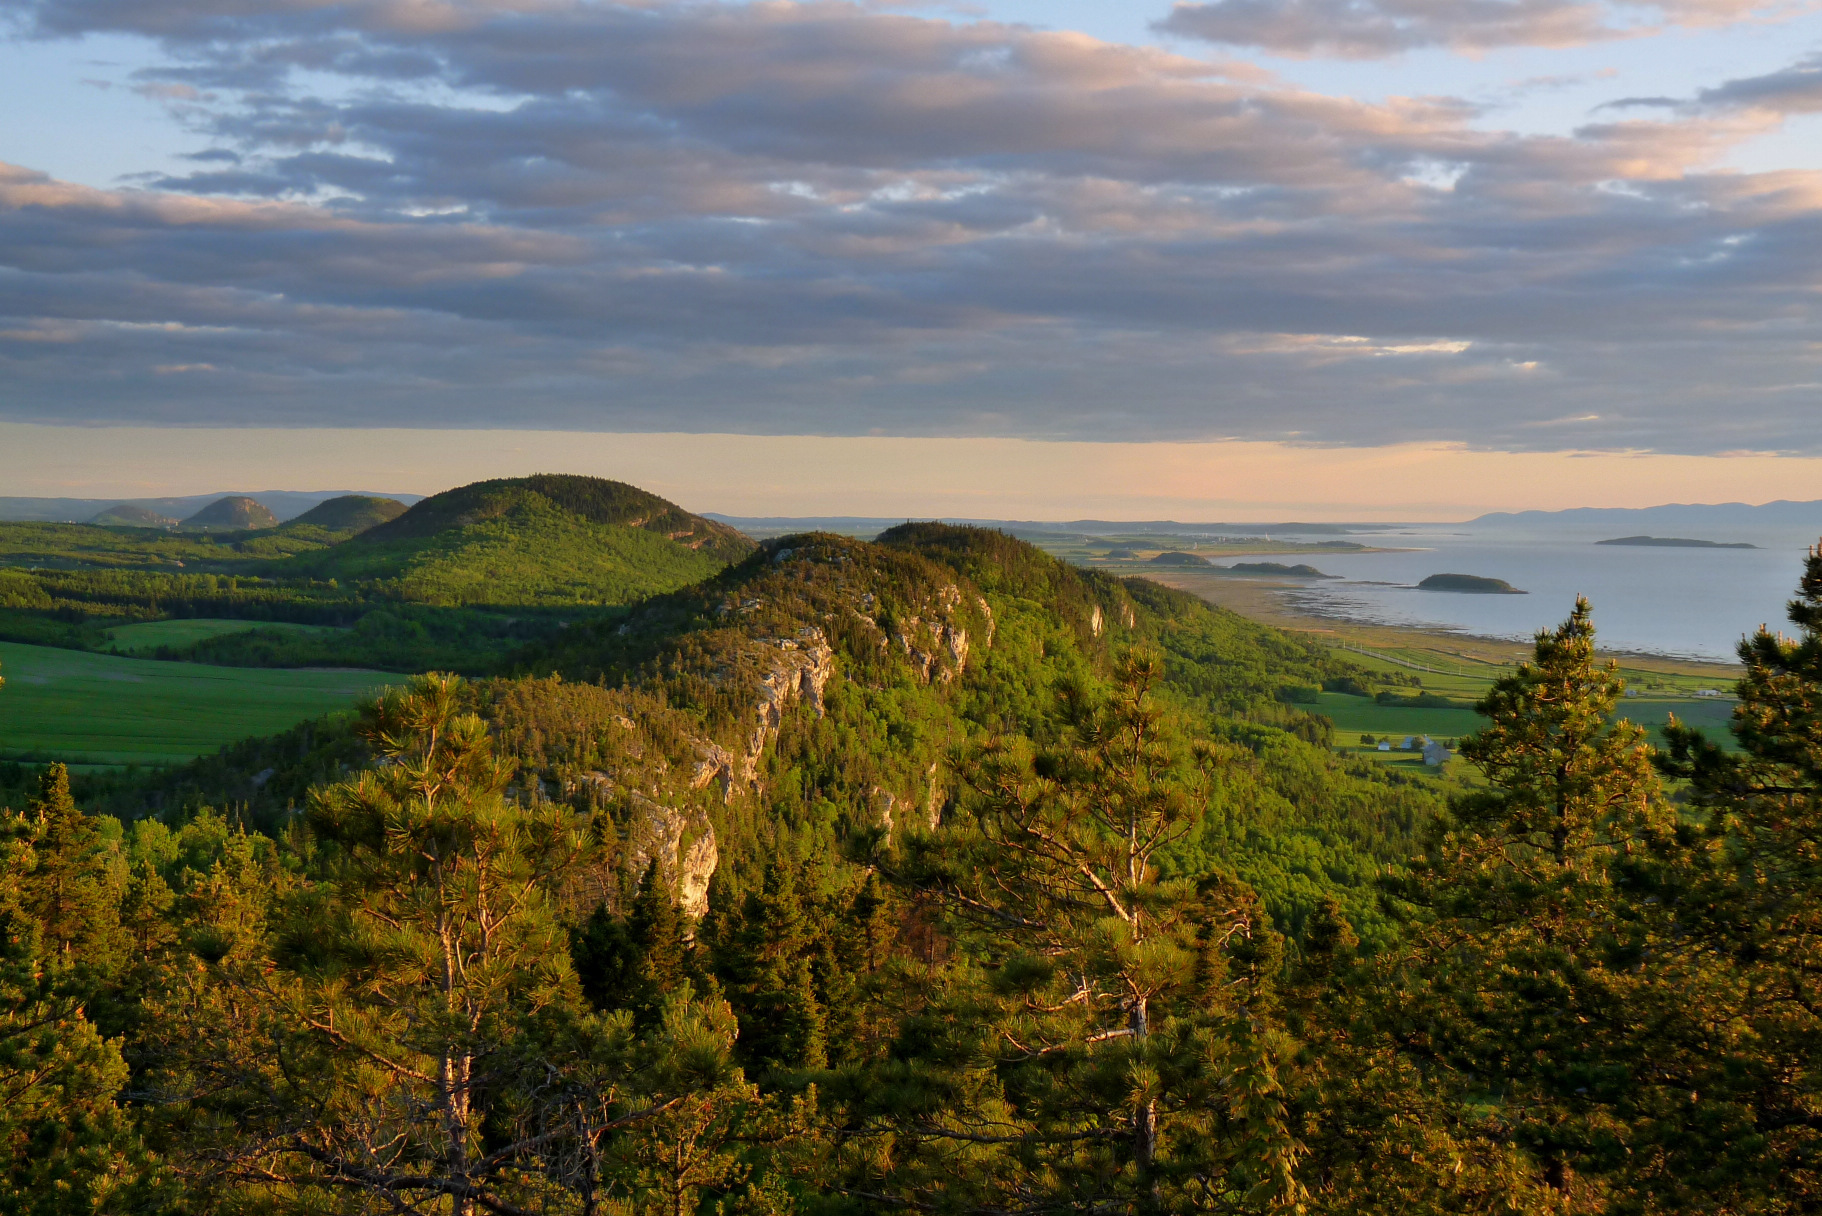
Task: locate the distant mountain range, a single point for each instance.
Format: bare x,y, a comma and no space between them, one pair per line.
866,526
284,504
1679,519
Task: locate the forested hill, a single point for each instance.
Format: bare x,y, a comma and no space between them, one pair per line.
586,498
821,685
840,675
349,514
455,582
929,875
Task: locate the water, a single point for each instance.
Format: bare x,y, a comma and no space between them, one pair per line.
1687,603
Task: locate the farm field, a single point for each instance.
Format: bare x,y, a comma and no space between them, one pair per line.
1355,716
102,709
147,636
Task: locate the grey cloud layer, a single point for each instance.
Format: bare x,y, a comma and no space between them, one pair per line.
1370,29
788,218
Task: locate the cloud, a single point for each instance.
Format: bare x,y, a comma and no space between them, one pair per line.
1794,90
1371,29
823,218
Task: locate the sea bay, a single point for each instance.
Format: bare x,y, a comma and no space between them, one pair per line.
1682,602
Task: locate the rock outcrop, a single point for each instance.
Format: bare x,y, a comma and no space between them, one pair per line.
682,842
796,669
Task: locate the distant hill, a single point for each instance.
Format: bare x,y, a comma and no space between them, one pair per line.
593,499
126,515
1672,519
543,540
1177,558
286,504
236,513
766,526
351,513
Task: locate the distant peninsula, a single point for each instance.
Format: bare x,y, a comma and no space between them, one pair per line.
1278,568
1675,542
1472,584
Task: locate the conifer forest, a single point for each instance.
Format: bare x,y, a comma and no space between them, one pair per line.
927,874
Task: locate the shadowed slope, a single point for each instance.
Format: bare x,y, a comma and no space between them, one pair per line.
351,513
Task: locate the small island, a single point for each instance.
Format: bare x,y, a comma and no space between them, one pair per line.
1676,542
1278,569
1178,558
1472,584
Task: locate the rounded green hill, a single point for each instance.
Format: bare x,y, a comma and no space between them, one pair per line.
545,540
592,499
235,513
350,513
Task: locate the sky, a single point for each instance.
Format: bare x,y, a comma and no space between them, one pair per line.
1216,258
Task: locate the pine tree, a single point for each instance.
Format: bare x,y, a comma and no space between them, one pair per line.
1745,888
1528,979
1107,1040
378,1028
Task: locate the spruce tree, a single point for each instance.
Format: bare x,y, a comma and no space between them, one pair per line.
633,961
76,881
655,926
66,1147
762,956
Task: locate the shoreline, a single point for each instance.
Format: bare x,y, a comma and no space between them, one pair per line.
1447,652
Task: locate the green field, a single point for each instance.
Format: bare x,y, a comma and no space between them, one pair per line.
70,704
147,636
1355,716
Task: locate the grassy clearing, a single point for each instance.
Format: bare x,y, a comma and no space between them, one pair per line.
147,636
100,709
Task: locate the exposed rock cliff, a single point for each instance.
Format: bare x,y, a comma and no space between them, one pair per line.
795,669
681,841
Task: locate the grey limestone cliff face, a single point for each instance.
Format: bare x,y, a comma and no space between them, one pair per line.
682,841
796,669
668,823
934,639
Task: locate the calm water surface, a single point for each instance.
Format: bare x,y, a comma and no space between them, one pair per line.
1694,603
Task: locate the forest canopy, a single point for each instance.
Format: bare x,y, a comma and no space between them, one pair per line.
928,875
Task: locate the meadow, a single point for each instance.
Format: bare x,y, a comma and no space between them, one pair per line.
148,637
102,709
